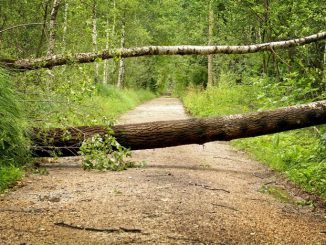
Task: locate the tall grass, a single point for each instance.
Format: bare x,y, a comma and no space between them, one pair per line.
105,104
299,154
13,142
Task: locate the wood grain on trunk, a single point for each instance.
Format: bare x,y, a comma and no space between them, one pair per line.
181,132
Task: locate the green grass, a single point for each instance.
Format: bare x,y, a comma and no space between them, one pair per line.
103,104
218,101
13,142
9,175
299,154
62,108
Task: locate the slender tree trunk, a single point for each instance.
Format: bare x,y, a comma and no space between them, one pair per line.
45,17
65,27
81,58
106,71
180,132
52,27
324,68
94,38
105,66
210,81
122,60
266,34
113,36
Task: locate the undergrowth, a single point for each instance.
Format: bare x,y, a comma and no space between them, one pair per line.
13,142
92,107
36,100
9,175
300,154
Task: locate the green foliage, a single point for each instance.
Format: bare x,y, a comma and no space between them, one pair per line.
76,101
13,143
104,153
9,176
300,154
223,100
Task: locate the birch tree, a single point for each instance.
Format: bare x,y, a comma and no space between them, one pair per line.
210,81
121,77
65,27
59,60
94,38
52,27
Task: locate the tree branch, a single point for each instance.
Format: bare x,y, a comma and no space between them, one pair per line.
20,25
59,60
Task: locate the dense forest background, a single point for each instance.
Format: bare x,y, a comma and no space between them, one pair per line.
214,85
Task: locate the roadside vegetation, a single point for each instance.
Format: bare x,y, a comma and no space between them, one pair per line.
299,154
13,142
60,106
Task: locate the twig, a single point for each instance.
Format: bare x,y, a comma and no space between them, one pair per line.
280,58
186,239
231,159
28,210
209,187
106,230
224,206
21,25
270,183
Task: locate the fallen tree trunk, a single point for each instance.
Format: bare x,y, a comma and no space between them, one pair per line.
181,132
59,60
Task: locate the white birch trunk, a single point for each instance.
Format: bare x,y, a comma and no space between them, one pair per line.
210,81
59,60
52,33
106,67
122,60
94,39
324,68
65,27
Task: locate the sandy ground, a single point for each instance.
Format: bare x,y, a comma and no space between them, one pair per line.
194,194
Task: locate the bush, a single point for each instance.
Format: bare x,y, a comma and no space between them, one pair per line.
13,143
8,176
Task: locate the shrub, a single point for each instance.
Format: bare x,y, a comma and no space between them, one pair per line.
13,143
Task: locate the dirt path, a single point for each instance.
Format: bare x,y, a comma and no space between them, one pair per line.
185,195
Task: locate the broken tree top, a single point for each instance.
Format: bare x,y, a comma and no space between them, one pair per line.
181,132
59,60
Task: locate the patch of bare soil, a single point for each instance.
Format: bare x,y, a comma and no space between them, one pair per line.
194,194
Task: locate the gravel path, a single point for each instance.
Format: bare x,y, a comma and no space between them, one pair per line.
194,194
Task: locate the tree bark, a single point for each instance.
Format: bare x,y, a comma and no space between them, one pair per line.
94,39
20,25
105,65
58,60
210,42
65,27
52,33
181,132
324,67
122,60
45,17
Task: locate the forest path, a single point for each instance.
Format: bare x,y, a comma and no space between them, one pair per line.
190,194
